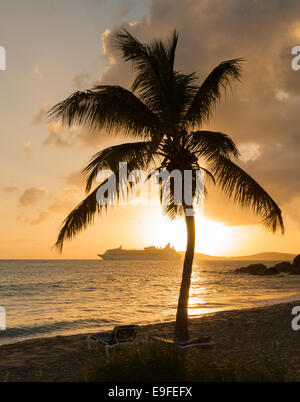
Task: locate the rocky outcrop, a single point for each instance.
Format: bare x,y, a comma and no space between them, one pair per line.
284,267
281,267
253,268
296,261
296,266
273,271
257,269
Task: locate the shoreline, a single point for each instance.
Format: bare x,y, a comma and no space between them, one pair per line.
260,304
251,333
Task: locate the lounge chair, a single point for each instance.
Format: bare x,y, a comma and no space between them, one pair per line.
204,342
121,335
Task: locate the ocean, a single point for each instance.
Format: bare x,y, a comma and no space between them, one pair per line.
45,298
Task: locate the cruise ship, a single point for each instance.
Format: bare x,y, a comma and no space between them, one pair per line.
148,253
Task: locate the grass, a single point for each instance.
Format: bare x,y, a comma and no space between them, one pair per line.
157,362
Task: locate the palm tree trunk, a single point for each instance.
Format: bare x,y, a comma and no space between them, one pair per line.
181,326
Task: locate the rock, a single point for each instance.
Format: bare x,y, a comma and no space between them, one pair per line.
285,267
281,267
296,262
296,266
258,269
273,271
253,269
242,270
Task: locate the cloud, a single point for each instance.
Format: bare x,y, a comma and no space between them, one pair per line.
92,139
27,145
82,81
75,179
249,152
61,204
56,132
63,137
42,216
37,72
57,136
292,210
63,201
9,189
42,116
31,196
124,8
88,78
261,112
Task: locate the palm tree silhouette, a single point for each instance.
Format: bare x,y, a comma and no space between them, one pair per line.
165,116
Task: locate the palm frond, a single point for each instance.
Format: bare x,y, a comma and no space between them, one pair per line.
84,214
244,190
208,174
170,205
209,92
172,44
138,155
79,218
165,91
168,104
152,60
108,107
173,199
207,143
132,49
147,66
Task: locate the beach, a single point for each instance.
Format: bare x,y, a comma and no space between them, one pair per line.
248,334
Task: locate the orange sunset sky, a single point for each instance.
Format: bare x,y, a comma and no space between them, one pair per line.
64,46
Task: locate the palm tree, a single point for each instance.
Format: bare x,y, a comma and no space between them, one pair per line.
164,112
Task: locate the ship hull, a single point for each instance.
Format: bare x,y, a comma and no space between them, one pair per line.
138,258
149,253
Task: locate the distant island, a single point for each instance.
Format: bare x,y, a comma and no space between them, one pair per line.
267,256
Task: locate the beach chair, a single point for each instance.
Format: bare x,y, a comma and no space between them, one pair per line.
203,343
121,335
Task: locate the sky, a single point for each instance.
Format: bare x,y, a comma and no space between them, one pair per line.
56,47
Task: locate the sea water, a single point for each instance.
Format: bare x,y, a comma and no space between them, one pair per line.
58,297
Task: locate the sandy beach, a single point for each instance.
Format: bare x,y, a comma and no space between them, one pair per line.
248,334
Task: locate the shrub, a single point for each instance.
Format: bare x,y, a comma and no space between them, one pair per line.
158,362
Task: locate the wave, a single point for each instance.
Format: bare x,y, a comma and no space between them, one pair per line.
277,300
61,326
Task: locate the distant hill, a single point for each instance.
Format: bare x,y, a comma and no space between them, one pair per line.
268,256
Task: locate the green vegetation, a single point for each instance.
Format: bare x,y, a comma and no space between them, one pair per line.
161,363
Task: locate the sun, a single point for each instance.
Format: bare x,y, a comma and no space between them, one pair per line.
214,238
